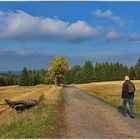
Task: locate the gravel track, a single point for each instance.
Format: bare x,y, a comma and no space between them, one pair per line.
88,117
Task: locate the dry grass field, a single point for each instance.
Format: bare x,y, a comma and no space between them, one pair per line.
110,92
36,122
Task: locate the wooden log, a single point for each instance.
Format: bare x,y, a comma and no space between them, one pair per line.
21,105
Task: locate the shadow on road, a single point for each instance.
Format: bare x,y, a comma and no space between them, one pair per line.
120,110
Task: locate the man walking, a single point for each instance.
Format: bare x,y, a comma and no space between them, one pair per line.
128,90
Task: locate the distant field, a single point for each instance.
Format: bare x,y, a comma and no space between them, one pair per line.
37,122
110,92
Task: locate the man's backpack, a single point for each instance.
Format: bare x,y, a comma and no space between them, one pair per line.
131,88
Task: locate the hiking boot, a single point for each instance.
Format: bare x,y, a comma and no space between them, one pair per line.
132,116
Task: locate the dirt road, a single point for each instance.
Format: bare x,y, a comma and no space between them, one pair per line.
87,117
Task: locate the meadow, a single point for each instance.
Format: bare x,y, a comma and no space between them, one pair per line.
40,121
45,119
110,92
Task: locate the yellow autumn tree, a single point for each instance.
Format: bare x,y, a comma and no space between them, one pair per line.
58,68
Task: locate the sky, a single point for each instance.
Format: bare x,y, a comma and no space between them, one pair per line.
33,33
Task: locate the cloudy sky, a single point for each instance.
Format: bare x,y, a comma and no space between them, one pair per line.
32,33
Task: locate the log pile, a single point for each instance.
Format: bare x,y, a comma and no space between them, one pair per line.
20,106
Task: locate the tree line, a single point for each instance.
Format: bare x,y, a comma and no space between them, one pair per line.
58,72
26,78
101,72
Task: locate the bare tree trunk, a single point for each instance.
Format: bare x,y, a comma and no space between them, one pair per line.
56,81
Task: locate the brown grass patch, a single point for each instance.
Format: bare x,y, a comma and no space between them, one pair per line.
52,95
18,93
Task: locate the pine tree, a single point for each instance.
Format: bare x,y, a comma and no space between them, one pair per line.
132,74
72,75
99,72
75,70
24,78
137,69
87,72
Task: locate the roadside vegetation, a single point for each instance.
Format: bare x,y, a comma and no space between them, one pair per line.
41,121
110,92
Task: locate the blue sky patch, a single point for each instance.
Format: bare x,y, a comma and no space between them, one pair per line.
32,33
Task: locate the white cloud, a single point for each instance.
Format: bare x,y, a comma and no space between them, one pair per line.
106,14
109,15
112,36
20,25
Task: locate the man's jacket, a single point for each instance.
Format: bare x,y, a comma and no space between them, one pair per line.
125,90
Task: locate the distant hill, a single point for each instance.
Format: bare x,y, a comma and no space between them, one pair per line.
13,72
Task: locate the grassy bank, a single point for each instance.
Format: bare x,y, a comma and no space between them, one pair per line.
40,121
110,92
